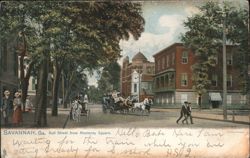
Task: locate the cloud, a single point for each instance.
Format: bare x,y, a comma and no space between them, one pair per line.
151,43
148,44
171,21
190,10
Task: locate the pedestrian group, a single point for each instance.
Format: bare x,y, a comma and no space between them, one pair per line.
13,108
186,113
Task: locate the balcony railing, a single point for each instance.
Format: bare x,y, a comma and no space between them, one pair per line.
164,89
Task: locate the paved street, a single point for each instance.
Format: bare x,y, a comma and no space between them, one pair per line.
165,118
157,118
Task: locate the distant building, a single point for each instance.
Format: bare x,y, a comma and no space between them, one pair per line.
33,87
173,79
8,67
137,77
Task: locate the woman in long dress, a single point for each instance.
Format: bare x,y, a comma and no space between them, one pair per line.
17,114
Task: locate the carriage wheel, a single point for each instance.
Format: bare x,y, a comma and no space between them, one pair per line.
104,109
88,113
111,110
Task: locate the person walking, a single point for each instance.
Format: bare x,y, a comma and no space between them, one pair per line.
183,112
17,114
6,107
189,109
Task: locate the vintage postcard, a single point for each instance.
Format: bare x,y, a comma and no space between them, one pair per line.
101,79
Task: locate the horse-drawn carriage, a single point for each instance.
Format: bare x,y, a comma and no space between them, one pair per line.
114,103
79,108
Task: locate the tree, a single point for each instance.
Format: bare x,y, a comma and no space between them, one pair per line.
86,33
96,30
114,70
16,20
204,38
95,94
75,82
110,78
238,29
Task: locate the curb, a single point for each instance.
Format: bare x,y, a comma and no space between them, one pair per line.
238,122
212,119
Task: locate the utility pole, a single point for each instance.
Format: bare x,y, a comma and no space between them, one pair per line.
224,101
139,84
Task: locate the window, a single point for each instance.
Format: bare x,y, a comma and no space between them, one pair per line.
162,82
135,87
157,82
229,59
184,57
173,58
166,80
171,79
158,66
229,99
184,79
163,64
243,99
167,61
229,81
148,69
214,80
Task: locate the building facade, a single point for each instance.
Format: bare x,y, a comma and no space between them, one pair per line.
137,77
32,89
8,67
173,79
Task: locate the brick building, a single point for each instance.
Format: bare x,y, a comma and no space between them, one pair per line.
137,77
173,79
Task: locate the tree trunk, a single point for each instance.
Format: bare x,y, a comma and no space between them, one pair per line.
68,89
22,73
67,94
22,77
25,84
41,102
56,82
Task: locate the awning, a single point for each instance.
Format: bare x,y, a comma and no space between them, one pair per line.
215,96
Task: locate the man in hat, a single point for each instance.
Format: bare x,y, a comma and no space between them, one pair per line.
6,106
183,112
189,110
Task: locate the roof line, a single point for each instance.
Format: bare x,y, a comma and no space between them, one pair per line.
176,43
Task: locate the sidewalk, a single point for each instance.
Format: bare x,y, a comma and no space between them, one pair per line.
213,114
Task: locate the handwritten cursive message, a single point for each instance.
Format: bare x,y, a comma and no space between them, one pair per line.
126,142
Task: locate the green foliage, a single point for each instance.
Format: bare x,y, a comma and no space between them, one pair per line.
110,78
87,32
95,94
204,38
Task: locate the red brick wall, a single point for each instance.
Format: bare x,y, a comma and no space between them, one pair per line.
183,68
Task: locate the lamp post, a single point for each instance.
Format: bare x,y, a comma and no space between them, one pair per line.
224,100
139,86
139,72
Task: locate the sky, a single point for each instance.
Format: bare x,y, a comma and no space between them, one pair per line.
163,27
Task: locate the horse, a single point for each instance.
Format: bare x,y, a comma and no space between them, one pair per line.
76,111
142,106
126,104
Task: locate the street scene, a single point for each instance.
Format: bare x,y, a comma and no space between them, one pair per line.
125,64
158,118
121,79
